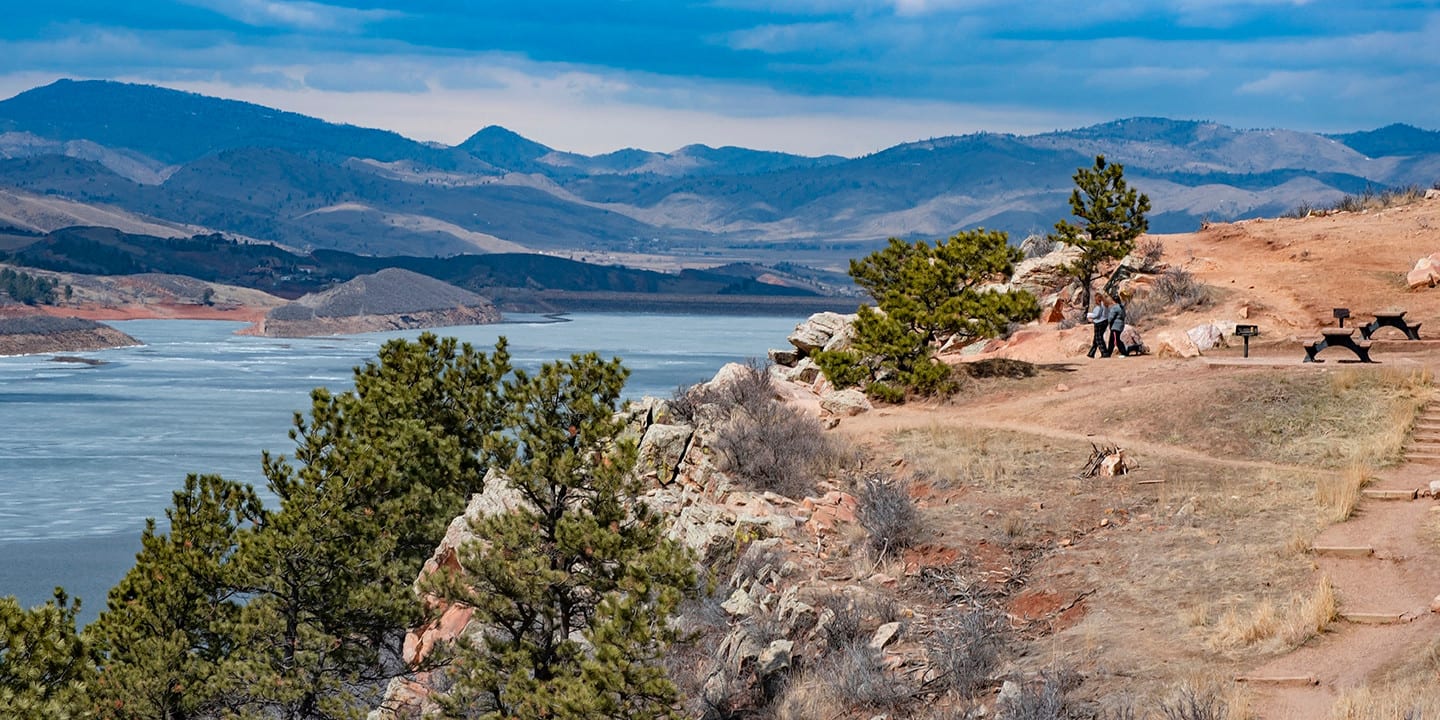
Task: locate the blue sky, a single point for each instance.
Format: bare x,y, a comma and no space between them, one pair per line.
809,76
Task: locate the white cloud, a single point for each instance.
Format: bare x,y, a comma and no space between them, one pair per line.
295,14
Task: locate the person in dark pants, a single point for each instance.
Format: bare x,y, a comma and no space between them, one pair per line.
1100,320
1116,314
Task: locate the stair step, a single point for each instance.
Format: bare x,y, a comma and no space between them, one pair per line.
1418,458
1374,618
1376,494
1343,551
1280,680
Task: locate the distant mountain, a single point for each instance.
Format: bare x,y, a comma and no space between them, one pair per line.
174,159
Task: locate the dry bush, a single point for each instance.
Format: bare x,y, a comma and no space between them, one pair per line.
1043,699
965,646
889,515
807,697
1306,615
1036,245
1150,249
1175,289
1339,493
774,447
750,390
1372,199
1195,704
858,678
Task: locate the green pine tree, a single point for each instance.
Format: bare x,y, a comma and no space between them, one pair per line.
576,586
925,293
1111,215
45,666
170,621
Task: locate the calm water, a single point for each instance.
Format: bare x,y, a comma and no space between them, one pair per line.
88,452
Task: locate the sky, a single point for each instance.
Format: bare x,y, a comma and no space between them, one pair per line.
807,76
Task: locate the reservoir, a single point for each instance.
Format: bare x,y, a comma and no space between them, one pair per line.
88,451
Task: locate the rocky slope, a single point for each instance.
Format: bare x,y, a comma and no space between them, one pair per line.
391,299
35,334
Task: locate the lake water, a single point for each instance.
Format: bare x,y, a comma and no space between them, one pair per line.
88,452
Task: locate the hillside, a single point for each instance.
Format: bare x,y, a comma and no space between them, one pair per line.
392,299
179,159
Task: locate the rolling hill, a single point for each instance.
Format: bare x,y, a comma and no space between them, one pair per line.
171,158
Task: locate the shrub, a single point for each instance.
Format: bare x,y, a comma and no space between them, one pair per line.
1043,699
1193,704
1175,288
1037,245
750,389
965,647
858,676
1150,250
774,447
889,514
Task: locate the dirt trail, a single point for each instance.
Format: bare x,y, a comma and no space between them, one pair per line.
1400,579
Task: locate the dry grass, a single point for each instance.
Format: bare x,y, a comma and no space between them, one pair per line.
1407,690
1278,627
1337,494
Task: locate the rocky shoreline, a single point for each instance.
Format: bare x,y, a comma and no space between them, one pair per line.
40,334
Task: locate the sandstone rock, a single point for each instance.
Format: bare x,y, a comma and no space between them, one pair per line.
1053,309
662,448
805,372
844,337
774,658
884,635
1041,275
830,510
1131,337
1432,194
740,649
1435,605
846,402
1206,337
1435,488
1426,272
815,332
739,604
1172,343
783,357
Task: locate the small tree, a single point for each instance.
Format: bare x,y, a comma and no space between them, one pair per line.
925,293
575,586
1111,214
44,664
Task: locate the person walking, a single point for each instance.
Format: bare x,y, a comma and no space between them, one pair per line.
1101,322
1115,313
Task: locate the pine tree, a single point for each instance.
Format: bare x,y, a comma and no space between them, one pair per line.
45,666
925,293
576,585
170,620
1112,216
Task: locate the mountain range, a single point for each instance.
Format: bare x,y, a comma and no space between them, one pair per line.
144,158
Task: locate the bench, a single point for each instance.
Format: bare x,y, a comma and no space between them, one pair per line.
1337,337
1395,319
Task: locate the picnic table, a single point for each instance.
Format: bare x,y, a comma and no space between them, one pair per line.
1394,319
1337,337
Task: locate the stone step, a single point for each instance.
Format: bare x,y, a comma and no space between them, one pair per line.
1427,458
1280,680
1374,618
1343,551
1376,494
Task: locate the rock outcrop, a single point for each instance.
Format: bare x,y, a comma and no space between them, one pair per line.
33,334
392,299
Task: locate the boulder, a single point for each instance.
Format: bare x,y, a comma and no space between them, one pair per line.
1114,464
845,402
815,332
804,372
739,604
788,358
1041,275
1053,309
1206,337
774,658
1133,342
1173,343
884,635
1432,194
844,337
662,448
1426,272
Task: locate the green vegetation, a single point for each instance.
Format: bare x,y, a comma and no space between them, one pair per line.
926,293
300,611
44,665
1111,215
29,289
576,582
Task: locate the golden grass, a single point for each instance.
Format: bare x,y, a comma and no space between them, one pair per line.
1337,494
1406,690
1278,627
